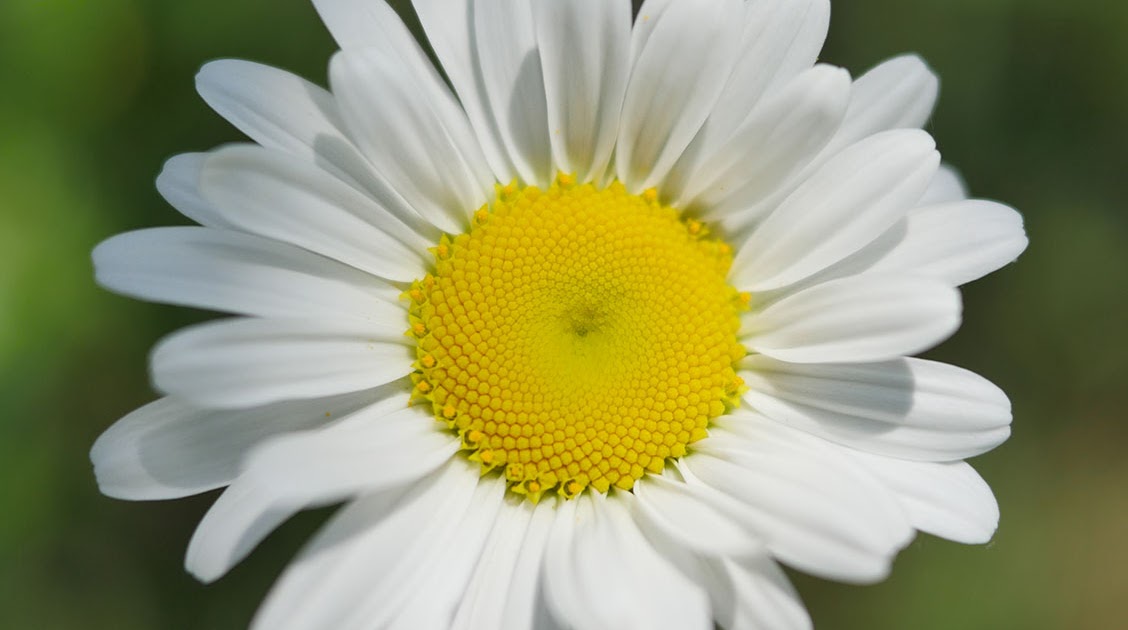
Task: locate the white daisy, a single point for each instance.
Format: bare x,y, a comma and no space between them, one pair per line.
658,281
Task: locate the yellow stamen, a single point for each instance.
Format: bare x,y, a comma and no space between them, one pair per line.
577,337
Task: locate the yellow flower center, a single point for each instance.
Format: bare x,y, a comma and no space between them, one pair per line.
577,336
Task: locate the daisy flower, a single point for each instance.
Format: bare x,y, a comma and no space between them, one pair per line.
592,337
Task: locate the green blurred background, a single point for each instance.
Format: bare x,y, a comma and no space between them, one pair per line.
97,93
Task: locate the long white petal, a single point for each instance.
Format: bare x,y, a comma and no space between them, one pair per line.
784,132
896,94
524,605
578,574
370,553
816,509
239,273
948,499
510,69
450,571
682,58
858,319
169,449
288,199
451,30
671,510
846,204
585,55
946,187
483,605
910,408
781,38
179,184
408,140
248,362
755,594
957,242
373,450
280,111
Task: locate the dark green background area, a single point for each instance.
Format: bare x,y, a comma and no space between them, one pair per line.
95,94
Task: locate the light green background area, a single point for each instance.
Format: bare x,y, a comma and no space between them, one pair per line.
95,94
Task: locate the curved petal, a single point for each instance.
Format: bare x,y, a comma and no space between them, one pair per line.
909,408
277,109
815,509
578,573
946,187
370,553
524,608
373,25
411,143
949,499
856,320
755,593
450,27
239,273
781,38
585,56
896,94
288,199
845,205
957,242
682,58
169,449
668,508
179,184
483,605
784,132
445,575
510,69
247,362
370,451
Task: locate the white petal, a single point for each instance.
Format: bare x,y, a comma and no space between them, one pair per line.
373,25
585,55
957,242
283,112
854,320
248,362
682,58
669,509
179,184
846,204
370,451
410,138
274,108
602,552
524,608
949,499
506,42
169,449
483,605
450,27
754,594
784,132
288,199
897,94
909,408
239,273
781,38
370,554
449,571
815,509
946,187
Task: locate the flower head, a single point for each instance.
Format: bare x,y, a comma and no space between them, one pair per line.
592,338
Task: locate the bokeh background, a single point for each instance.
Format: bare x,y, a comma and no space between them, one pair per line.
96,94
